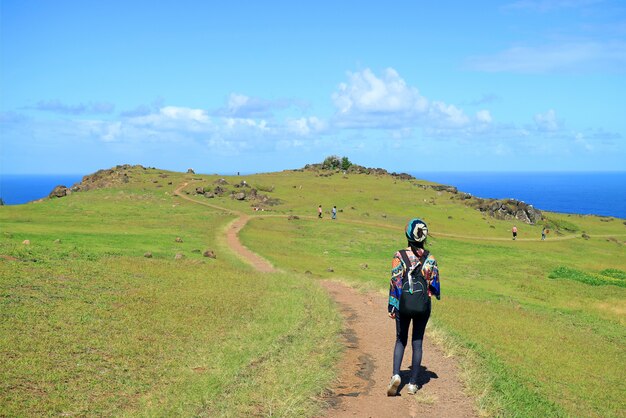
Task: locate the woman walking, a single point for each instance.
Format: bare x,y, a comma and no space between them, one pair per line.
414,279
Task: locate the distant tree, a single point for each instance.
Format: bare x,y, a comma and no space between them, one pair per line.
331,162
345,163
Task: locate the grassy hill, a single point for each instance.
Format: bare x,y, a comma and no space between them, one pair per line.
90,325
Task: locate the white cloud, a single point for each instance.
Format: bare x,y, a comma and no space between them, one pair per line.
447,115
56,106
366,93
368,101
184,113
575,57
580,139
547,122
243,106
550,5
306,126
484,116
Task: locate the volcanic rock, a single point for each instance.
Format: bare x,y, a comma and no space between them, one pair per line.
58,191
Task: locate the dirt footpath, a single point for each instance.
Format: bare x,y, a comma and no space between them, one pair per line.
369,336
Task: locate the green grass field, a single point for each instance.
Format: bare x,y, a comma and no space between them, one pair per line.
90,326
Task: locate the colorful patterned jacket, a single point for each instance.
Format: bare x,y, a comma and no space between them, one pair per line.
398,269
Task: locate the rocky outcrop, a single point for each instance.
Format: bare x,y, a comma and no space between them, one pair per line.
106,178
507,209
444,188
59,191
355,169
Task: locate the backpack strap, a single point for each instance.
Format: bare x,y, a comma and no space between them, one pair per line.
407,261
407,265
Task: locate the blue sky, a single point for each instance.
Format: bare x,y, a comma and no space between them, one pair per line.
221,87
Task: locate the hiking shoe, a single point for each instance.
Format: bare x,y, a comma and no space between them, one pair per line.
392,389
412,389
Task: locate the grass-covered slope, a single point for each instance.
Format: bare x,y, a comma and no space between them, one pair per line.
88,325
549,345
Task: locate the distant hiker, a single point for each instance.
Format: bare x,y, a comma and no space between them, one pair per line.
514,230
319,211
543,234
414,279
334,212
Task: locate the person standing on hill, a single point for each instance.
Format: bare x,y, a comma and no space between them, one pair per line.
319,211
334,211
543,233
414,276
514,230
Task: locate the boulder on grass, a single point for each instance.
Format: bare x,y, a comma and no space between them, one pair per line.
58,191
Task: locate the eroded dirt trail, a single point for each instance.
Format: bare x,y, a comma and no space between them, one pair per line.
365,369
361,390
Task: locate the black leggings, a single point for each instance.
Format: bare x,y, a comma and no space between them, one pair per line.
417,337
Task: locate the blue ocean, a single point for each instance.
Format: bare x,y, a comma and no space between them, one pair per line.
597,193
16,189
582,193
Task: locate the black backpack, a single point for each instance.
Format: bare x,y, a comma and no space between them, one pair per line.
414,299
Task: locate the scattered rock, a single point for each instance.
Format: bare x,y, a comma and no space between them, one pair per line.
58,191
239,196
330,270
210,254
364,266
179,256
308,272
444,188
219,190
26,242
148,254
178,239
450,217
221,182
199,190
209,195
585,236
196,251
57,241
293,217
190,171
